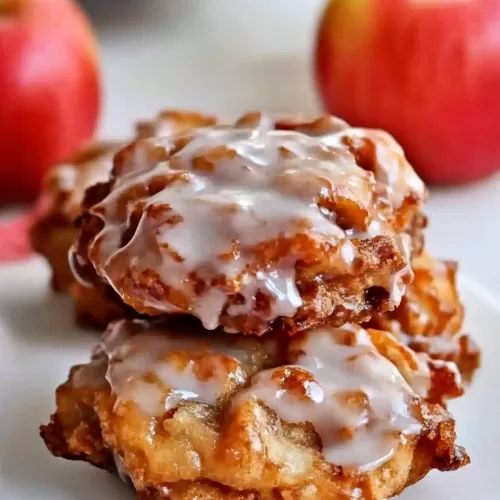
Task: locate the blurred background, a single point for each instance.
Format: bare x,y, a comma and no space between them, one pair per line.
220,56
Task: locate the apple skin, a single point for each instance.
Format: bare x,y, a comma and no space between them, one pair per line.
427,71
50,90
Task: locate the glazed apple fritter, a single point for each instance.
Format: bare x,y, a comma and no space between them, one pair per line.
335,413
253,227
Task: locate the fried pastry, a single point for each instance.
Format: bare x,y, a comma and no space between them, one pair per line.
430,317
253,228
375,151
55,231
182,413
97,306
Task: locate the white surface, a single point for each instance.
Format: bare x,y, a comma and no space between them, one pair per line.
227,56
38,343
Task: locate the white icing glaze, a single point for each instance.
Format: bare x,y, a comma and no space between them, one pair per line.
142,355
439,345
332,364
234,189
120,468
398,288
420,377
396,178
358,402
157,369
280,284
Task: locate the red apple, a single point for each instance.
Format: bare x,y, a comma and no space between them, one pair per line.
49,90
427,71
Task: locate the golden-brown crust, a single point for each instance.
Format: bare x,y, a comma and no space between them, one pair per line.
431,305
431,315
170,122
459,349
376,152
328,293
54,230
96,307
196,490
237,448
52,237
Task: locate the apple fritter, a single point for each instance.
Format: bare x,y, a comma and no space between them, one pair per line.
182,413
252,227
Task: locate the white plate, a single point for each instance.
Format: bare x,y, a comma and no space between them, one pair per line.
39,342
